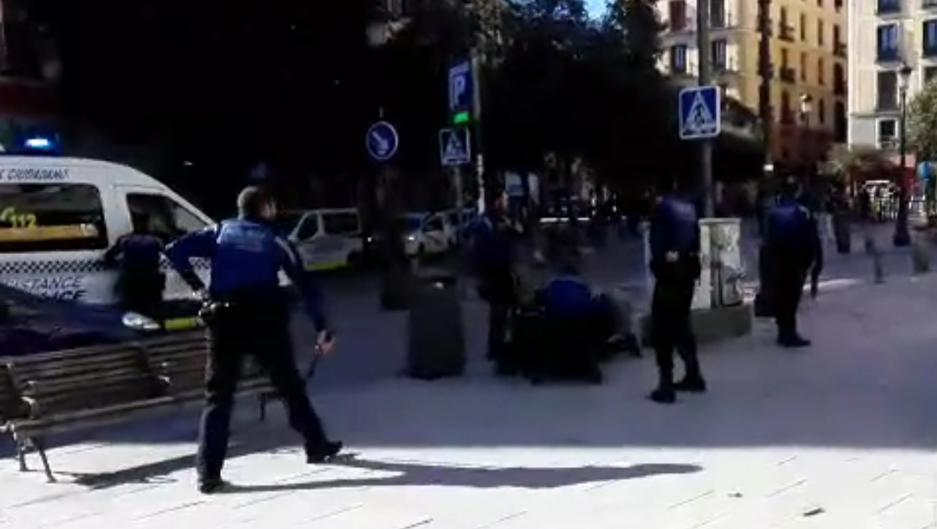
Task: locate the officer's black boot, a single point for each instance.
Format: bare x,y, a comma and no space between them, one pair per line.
665,393
211,486
322,452
692,383
789,338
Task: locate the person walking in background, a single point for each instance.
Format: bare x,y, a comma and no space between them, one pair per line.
675,262
250,316
140,283
792,246
495,263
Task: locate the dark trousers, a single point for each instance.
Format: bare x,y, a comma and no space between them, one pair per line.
498,320
262,333
671,329
788,289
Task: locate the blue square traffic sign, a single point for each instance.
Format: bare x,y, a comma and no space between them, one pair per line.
700,112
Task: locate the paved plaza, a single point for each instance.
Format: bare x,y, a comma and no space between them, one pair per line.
842,435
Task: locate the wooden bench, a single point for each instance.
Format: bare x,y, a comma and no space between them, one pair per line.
91,387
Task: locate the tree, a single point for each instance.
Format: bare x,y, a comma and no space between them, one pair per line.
922,123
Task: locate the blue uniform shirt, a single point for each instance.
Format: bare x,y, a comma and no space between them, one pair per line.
247,257
674,228
567,296
790,225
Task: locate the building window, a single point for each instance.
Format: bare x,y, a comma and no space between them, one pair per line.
678,59
719,54
803,67
819,3
717,13
677,15
821,67
820,39
930,38
887,44
821,110
839,79
930,72
887,91
787,116
889,6
887,133
840,123
803,27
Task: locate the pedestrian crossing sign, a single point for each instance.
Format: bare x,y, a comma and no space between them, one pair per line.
700,112
455,147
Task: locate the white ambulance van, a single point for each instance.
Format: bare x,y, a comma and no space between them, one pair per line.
59,215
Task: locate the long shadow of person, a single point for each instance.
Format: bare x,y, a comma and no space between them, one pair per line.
417,474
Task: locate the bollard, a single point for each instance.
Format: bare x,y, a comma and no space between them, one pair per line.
871,248
920,255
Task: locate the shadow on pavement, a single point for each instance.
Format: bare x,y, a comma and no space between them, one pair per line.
416,474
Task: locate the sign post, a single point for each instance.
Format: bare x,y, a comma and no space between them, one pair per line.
455,150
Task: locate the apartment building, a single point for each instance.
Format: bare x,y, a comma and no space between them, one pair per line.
887,36
808,62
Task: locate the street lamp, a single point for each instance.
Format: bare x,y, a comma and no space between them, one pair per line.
902,235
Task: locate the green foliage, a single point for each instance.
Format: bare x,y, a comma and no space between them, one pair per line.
922,123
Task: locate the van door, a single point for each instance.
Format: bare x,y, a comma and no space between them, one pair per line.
342,231
308,238
169,219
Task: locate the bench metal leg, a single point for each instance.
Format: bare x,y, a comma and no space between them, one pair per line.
21,455
40,445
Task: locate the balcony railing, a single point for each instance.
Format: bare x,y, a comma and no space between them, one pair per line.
928,4
786,32
887,55
840,49
788,75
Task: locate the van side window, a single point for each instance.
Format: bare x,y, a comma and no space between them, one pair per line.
309,228
341,223
51,217
162,216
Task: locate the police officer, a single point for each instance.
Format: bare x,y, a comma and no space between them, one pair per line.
494,261
675,263
251,317
140,283
793,246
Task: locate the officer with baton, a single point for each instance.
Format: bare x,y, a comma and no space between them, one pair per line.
247,313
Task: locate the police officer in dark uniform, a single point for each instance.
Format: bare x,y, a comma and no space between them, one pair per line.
494,262
251,317
140,283
675,263
792,245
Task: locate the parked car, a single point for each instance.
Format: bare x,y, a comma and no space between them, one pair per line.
31,324
327,239
425,234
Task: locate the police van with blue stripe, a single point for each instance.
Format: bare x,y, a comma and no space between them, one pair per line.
58,216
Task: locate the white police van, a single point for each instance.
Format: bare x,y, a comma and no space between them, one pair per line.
59,215
326,239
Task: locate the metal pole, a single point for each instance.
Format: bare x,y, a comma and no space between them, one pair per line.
479,143
706,148
457,174
902,235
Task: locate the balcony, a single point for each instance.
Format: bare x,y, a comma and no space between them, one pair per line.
840,49
889,7
786,32
928,4
788,75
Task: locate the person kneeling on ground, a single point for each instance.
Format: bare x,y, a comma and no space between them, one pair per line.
579,328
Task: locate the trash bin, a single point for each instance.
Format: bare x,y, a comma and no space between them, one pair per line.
436,337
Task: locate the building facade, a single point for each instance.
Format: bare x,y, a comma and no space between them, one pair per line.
887,35
807,43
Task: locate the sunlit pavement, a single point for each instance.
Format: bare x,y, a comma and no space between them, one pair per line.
841,435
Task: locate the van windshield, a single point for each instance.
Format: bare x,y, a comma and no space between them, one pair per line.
51,217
